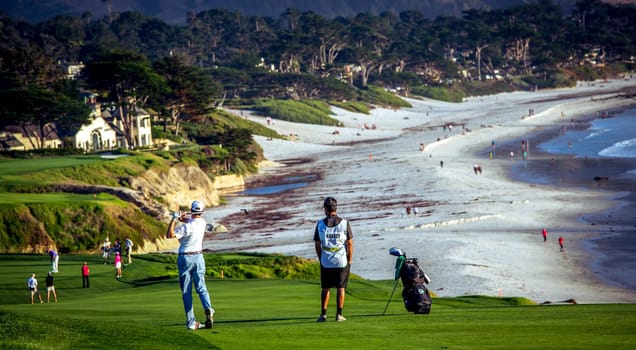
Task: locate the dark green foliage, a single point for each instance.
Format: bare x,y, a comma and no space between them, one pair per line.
309,112
246,266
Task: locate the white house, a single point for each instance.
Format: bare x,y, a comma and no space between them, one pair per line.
141,125
103,132
99,135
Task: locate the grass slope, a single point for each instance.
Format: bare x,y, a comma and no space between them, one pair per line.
139,312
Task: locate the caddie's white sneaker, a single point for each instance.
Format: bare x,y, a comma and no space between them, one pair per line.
340,318
322,318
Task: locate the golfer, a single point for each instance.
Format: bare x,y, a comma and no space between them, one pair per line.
334,246
55,259
191,264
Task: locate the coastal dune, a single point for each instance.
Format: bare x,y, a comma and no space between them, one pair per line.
474,232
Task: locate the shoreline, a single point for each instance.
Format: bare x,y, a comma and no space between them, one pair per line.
473,234
610,248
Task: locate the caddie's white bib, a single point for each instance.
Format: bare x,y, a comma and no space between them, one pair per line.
332,240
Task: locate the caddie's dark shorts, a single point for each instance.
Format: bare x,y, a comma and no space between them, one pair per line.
334,277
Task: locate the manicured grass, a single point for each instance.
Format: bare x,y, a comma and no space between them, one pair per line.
14,198
138,312
25,166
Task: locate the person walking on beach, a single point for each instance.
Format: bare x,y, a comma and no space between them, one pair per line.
545,235
50,288
32,284
333,241
561,243
191,264
86,271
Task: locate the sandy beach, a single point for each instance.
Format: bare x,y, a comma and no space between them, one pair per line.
473,233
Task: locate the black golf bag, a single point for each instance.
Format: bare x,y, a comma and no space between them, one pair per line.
416,297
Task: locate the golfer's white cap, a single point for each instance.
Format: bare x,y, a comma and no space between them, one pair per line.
197,207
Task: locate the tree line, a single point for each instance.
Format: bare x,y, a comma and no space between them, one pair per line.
184,71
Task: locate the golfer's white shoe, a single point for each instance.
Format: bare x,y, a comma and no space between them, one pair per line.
340,318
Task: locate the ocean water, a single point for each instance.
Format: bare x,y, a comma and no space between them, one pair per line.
605,137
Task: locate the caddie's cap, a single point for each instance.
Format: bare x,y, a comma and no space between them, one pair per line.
330,204
197,207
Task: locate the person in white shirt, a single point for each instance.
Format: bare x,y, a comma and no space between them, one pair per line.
106,251
32,283
191,264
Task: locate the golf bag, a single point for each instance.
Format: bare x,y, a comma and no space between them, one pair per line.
416,297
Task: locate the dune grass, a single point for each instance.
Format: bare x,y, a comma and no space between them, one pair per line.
139,312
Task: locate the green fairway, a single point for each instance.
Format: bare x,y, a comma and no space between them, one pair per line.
144,311
13,198
26,166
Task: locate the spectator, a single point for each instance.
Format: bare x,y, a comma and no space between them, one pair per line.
50,288
118,265
128,246
32,283
85,273
106,247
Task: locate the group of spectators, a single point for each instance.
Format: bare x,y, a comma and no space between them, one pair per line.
115,249
107,250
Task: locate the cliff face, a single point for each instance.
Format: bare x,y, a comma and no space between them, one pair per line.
182,184
178,187
157,192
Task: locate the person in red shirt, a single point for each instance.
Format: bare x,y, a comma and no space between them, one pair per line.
545,235
85,273
561,242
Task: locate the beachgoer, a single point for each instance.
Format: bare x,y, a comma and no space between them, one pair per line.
118,265
441,163
32,283
191,263
128,246
545,235
475,168
333,241
106,251
50,288
561,243
55,259
86,271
